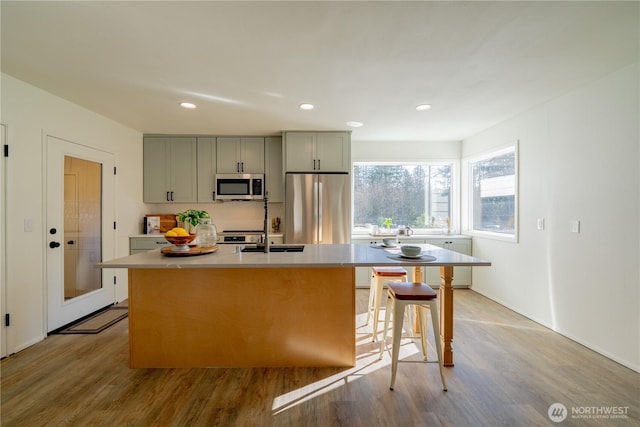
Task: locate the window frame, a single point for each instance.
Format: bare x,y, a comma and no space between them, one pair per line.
455,192
467,179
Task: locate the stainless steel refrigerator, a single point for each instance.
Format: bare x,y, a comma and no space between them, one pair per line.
317,208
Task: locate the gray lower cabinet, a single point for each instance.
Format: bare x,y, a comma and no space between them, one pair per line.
431,275
146,243
461,275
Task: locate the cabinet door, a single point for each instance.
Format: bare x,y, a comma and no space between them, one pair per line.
299,148
206,169
183,156
228,155
274,174
332,152
252,155
169,169
240,155
155,176
461,275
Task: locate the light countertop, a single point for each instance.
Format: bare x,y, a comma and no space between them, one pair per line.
342,255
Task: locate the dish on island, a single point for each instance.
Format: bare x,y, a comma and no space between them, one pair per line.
422,257
382,246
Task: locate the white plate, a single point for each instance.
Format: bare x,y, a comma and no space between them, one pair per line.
401,257
410,256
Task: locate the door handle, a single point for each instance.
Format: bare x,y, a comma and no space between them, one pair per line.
54,245
70,242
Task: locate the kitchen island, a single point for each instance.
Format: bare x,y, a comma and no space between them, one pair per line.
233,309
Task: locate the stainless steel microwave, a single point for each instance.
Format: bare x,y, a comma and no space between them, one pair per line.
239,186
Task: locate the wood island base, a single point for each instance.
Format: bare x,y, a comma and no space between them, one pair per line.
236,317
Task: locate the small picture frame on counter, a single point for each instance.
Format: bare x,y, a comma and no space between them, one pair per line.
152,225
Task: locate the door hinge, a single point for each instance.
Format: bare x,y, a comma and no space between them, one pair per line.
7,319
114,225
114,170
6,150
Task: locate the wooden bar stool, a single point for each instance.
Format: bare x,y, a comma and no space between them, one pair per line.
399,296
379,277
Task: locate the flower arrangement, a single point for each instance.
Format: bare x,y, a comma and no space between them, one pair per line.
191,217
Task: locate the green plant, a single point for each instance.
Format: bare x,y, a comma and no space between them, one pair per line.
192,216
387,223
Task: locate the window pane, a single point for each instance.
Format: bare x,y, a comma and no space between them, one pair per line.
494,193
415,195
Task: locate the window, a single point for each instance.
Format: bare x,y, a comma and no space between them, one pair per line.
418,195
493,194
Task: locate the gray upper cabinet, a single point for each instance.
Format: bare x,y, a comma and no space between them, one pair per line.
317,151
240,155
169,164
274,175
206,169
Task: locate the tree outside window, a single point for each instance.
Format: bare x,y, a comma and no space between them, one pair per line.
415,195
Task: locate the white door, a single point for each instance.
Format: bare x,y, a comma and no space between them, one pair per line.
80,214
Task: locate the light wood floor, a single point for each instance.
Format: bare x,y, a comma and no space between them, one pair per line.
508,371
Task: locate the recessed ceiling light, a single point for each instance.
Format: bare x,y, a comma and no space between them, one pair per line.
306,106
354,124
187,105
423,107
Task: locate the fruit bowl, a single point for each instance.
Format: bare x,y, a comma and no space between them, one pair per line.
181,243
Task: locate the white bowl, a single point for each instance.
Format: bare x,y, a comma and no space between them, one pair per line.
389,241
409,250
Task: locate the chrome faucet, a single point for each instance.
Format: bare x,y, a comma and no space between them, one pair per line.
266,222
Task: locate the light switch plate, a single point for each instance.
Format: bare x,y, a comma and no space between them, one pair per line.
28,225
575,226
540,223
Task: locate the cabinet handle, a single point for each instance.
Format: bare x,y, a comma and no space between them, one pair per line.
171,195
314,164
241,166
168,200
318,164
213,196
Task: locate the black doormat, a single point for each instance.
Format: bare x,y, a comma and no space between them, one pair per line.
98,322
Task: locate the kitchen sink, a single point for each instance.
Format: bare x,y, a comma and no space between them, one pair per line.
275,248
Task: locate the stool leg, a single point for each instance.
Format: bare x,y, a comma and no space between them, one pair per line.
433,306
371,293
377,297
421,312
387,314
398,319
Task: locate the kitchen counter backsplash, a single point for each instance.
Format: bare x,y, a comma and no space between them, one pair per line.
227,215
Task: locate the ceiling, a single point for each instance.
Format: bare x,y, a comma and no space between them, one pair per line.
248,65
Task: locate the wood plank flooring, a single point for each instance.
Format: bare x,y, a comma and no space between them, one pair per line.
82,380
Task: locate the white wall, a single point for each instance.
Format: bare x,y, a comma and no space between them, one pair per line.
377,151
579,160
27,111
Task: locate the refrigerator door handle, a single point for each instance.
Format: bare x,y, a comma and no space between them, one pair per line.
319,222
